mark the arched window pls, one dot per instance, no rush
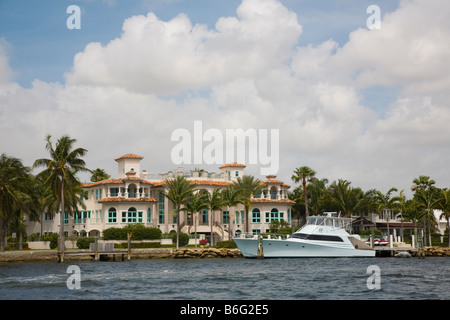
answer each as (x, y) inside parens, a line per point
(132, 215)
(274, 214)
(236, 173)
(256, 215)
(273, 193)
(112, 215)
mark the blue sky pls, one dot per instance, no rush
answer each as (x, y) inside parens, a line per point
(42, 47)
(369, 106)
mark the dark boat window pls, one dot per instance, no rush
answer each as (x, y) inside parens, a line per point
(319, 237)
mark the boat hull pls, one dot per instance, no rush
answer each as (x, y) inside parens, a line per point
(276, 248)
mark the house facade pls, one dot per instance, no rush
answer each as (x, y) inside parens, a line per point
(137, 197)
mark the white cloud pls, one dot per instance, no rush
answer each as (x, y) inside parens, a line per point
(154, 56)
(253, 75)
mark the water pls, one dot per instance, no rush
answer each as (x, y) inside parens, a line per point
(231, 279)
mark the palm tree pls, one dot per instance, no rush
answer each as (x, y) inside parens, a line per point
(444, 204)
(430, 200)
(248, 186)
(387, 202)
(232, 197)
(215, 203)
(316, 190)
(99, 175)
(422, 183)
(14, 183)
(303, 174)
(196, 203)
(179, 190)
(344, 198)
(59, 174)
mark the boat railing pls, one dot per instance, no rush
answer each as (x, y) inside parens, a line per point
(337, 222)
(249, 235)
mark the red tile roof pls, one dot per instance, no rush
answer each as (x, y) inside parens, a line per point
(123, 199)
(289, 201)
(114, 181)
(233, 164)
(129, 156)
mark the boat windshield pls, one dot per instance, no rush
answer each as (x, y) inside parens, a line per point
(337, 222)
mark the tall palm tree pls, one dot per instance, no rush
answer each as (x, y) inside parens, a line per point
(14, 183)
(232, 197)
(303, 174)
(429, 197)
(196, 203)
(60, 173)
(215, 202)
(99, 175)
(387, 202)
(444, 204)
(316, 190)
(179, 190)
(248, 186)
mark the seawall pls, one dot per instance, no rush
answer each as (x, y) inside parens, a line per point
(157, 253)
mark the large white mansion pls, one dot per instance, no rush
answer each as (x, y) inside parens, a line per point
(136, 197)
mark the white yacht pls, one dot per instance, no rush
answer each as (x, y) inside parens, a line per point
(321, 236)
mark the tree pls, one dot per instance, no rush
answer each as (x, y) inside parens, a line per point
(196, 203)
(59, 174)
(303, 174)
(14, 184)
(215, 202)
(387, 202)
(422, 183)
(444, 204)
(429, 197)
(231, 197)
(248, 186)
(99, 175)
(346, 199)
(179, 190)
(424, 192)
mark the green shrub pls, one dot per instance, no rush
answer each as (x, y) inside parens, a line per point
(84, 243)
(138, 232)
(226, 244)
(53, 238)
(138, 245)
(183, 239)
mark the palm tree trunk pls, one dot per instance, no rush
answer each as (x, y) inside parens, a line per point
(195, 227)
(212, 218)
(2, 243)
(61, 218)
(306, 199)
(178, 225)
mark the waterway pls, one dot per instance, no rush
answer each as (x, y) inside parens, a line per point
(230, 279)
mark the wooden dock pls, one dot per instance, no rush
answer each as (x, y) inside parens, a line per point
(387, 251)
(100, 251)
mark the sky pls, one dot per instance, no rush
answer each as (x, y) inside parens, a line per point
(371, 106)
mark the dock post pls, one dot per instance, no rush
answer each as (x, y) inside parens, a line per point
(129, 246)
(96, 256)
(60, 244)
(260, 250)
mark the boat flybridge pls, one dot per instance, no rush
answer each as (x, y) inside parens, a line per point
(322, 236)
